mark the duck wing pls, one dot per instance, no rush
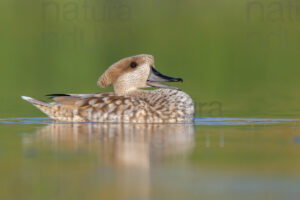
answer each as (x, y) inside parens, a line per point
(53, 96)
(69, 99)
(103, 107)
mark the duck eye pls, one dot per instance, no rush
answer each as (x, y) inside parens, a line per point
(133, 64)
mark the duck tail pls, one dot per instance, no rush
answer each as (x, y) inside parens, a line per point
(35, 102)
(41, 105)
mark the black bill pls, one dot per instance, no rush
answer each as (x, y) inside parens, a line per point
(155, 78)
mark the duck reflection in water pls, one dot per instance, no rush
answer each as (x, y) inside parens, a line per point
(118, 144)
(124, 156)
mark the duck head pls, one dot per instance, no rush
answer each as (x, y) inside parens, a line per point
(132, 73)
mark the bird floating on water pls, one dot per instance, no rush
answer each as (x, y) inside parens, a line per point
(129, 102)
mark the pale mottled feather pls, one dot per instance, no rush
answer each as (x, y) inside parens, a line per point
(156, 106)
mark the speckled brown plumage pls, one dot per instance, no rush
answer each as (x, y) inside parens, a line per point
(126, 104)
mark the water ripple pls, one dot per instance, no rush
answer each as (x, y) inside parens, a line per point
(197, 121)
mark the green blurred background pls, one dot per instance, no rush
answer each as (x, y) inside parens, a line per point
(237, 58)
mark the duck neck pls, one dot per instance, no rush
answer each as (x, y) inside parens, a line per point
(137, 93)
(122, 89)
(128, 91)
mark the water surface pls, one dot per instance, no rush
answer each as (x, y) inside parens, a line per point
(213, 158)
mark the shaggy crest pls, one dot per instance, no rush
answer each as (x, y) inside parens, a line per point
(122, 66)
